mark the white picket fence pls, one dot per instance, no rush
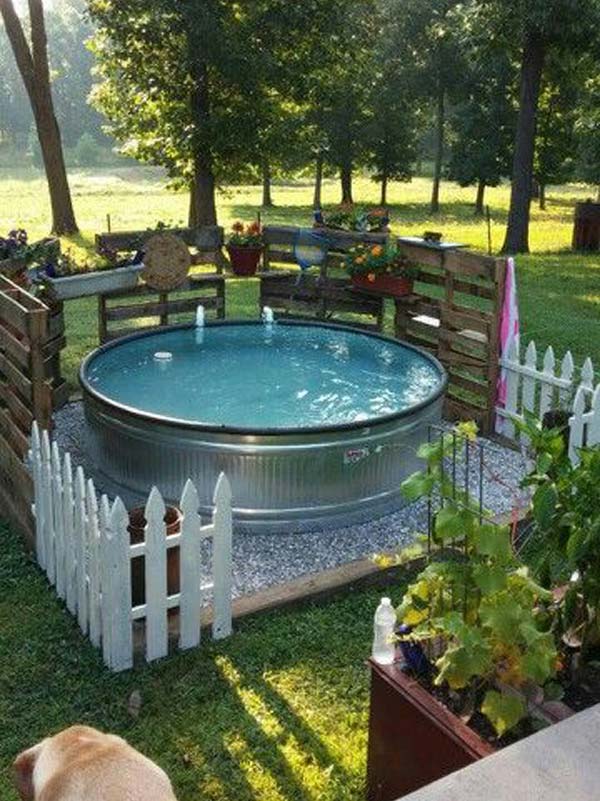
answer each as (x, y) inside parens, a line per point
(83, 545)
(554, 385)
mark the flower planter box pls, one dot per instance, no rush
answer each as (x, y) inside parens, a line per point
(395, 286)
(94, 283)
(244, 260)
(413, 739)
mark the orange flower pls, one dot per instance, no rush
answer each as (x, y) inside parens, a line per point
(238, 227)
(254, 228)
(359, 260)
(371, 277)
(376, 250)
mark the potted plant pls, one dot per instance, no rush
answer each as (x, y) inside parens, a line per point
(17, 254)
(562, 543)
(245, 248)
(477, 637)
(136, 529)
(349, 218)
(381, 269)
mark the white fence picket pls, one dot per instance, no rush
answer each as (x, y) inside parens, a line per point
(567, 369)
(69, 537)
(222, 563)
(576, 425)
(156, 578)
(190, 567)
(48, 529)
(92, 561)
(86, 551)
(58, 522)
(80, 529)
(118, 610)
(547, 390)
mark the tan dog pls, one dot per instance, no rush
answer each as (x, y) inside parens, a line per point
(82, 764)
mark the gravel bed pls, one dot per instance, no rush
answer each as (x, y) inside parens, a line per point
(262, 560)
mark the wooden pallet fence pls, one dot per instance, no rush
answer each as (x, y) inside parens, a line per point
(129, 311)
(537, 387)
(31, 338)
(205, 242)
(311, 297)
(82, 543)
(454, 313)
(279, 243)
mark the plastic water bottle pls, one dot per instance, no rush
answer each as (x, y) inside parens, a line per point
(384, 648)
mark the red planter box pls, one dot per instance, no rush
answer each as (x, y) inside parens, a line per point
(386, 284)
(244, 261)
(413, 739)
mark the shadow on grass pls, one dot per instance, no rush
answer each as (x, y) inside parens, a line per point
(209, 717)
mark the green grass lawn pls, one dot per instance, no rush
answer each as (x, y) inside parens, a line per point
(278, 712)
(559, 290)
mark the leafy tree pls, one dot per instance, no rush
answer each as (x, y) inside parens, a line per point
(427, 34)
(394, 116)
(483, 117)
(587, 130)
(32, 61)
(541, 27)
(555, 147)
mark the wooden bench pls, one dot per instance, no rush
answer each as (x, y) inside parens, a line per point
(157, 309)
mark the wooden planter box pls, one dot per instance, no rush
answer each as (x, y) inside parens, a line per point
(95, 283)
(394, 286)
(413, 739)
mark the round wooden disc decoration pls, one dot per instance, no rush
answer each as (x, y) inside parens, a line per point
(166, 262)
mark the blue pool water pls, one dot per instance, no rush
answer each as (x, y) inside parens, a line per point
(251, 376)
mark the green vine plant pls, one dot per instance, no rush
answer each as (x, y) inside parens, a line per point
(563, 545)
(479, 614)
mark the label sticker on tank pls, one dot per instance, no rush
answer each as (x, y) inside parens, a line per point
(355, 455)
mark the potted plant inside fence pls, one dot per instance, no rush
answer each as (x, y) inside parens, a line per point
(136, 529)
(17, 254)
(380, 269)
(245, 247)
(349, 218)
(477, 634)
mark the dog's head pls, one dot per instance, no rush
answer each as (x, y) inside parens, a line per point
(24, 766)
(47, 755)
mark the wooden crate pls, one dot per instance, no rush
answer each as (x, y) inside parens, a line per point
(156, 309)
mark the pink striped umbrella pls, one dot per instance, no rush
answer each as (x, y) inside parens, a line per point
(509, 335)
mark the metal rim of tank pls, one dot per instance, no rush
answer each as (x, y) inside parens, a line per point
(188, 424)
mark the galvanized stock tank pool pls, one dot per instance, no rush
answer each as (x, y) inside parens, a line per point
(314, 424)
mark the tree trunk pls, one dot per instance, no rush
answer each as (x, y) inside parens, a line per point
(384, 186)
(267, 200)
(439, 150)
(542, 196)
(318, 181)
(517, 232)
(479, 199)
(203, 191)
(35, 73)
(346, 180)
(192, 221)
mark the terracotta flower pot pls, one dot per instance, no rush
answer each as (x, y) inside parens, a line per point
(385, 284)
(413, 738)
(137, 524)
(244, 260)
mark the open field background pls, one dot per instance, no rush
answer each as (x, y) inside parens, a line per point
(559, 291)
